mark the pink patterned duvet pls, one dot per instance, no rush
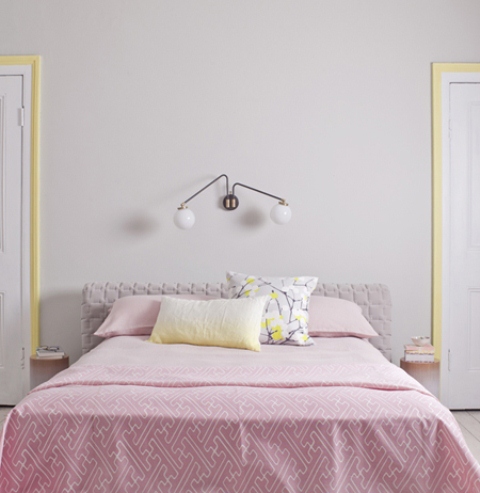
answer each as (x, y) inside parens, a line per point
(326, 429)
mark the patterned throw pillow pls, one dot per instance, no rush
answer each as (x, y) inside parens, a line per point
(285, 320)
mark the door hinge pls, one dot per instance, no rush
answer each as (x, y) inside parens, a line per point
(21, 117)
(22, 358)
(449, 360)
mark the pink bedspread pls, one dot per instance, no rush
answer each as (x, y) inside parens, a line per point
(326, 429)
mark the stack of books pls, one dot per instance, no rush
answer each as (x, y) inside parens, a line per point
(419, 354)
(50, 352)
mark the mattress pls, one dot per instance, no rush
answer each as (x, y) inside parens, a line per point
(336, 417)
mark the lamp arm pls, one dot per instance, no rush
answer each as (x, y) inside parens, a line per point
(205, 187)
(282, 201)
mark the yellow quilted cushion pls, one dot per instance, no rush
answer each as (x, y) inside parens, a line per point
(225, 323)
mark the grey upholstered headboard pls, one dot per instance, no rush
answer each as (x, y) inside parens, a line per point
(374, 299)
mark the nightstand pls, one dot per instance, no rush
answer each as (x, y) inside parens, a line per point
(43, 369)
(428, 374)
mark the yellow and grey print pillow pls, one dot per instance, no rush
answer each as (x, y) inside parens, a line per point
(285, 320)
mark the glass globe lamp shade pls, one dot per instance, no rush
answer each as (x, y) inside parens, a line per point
(184, 218)
(281, 213)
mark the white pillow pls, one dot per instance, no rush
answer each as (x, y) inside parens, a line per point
(225, 323)
(285, 320)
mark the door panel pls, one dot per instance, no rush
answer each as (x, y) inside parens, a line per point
(11, 368)
(464, 247)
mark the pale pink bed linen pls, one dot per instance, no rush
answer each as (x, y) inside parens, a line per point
(332, 428)
(136, 351)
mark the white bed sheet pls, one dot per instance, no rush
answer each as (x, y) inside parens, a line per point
(135, 350)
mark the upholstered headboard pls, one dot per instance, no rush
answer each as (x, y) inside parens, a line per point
(374, 299)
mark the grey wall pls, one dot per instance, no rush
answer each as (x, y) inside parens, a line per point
(324, 102)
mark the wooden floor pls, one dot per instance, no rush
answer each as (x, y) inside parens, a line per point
(3, 414)
(469, 422)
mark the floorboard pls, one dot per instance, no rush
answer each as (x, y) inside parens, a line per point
(4, 410)
(475, 414)
(469, 422)
(470, 426)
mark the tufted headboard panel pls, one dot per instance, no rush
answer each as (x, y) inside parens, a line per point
(374, 299)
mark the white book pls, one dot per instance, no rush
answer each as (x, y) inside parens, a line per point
(51, 356)
(50, 353)
(419, 358)
(427, 349)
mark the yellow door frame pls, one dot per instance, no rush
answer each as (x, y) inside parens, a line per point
(34, 62)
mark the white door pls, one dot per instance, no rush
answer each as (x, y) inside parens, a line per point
(12, 355)
(463, 238)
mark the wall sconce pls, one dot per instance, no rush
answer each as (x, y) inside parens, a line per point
(184, 218)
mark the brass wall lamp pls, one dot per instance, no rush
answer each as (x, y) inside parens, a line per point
(184, 218)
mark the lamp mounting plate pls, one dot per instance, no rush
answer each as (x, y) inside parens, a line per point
(230, 202)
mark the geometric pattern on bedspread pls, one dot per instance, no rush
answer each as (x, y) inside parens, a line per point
(336, 429)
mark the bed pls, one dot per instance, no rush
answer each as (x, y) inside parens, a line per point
(335, 417)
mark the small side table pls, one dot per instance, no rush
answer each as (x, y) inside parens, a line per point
(428, 374)
(43, 369)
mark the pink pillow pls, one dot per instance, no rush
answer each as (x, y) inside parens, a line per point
(136, 315)
(334, 317)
